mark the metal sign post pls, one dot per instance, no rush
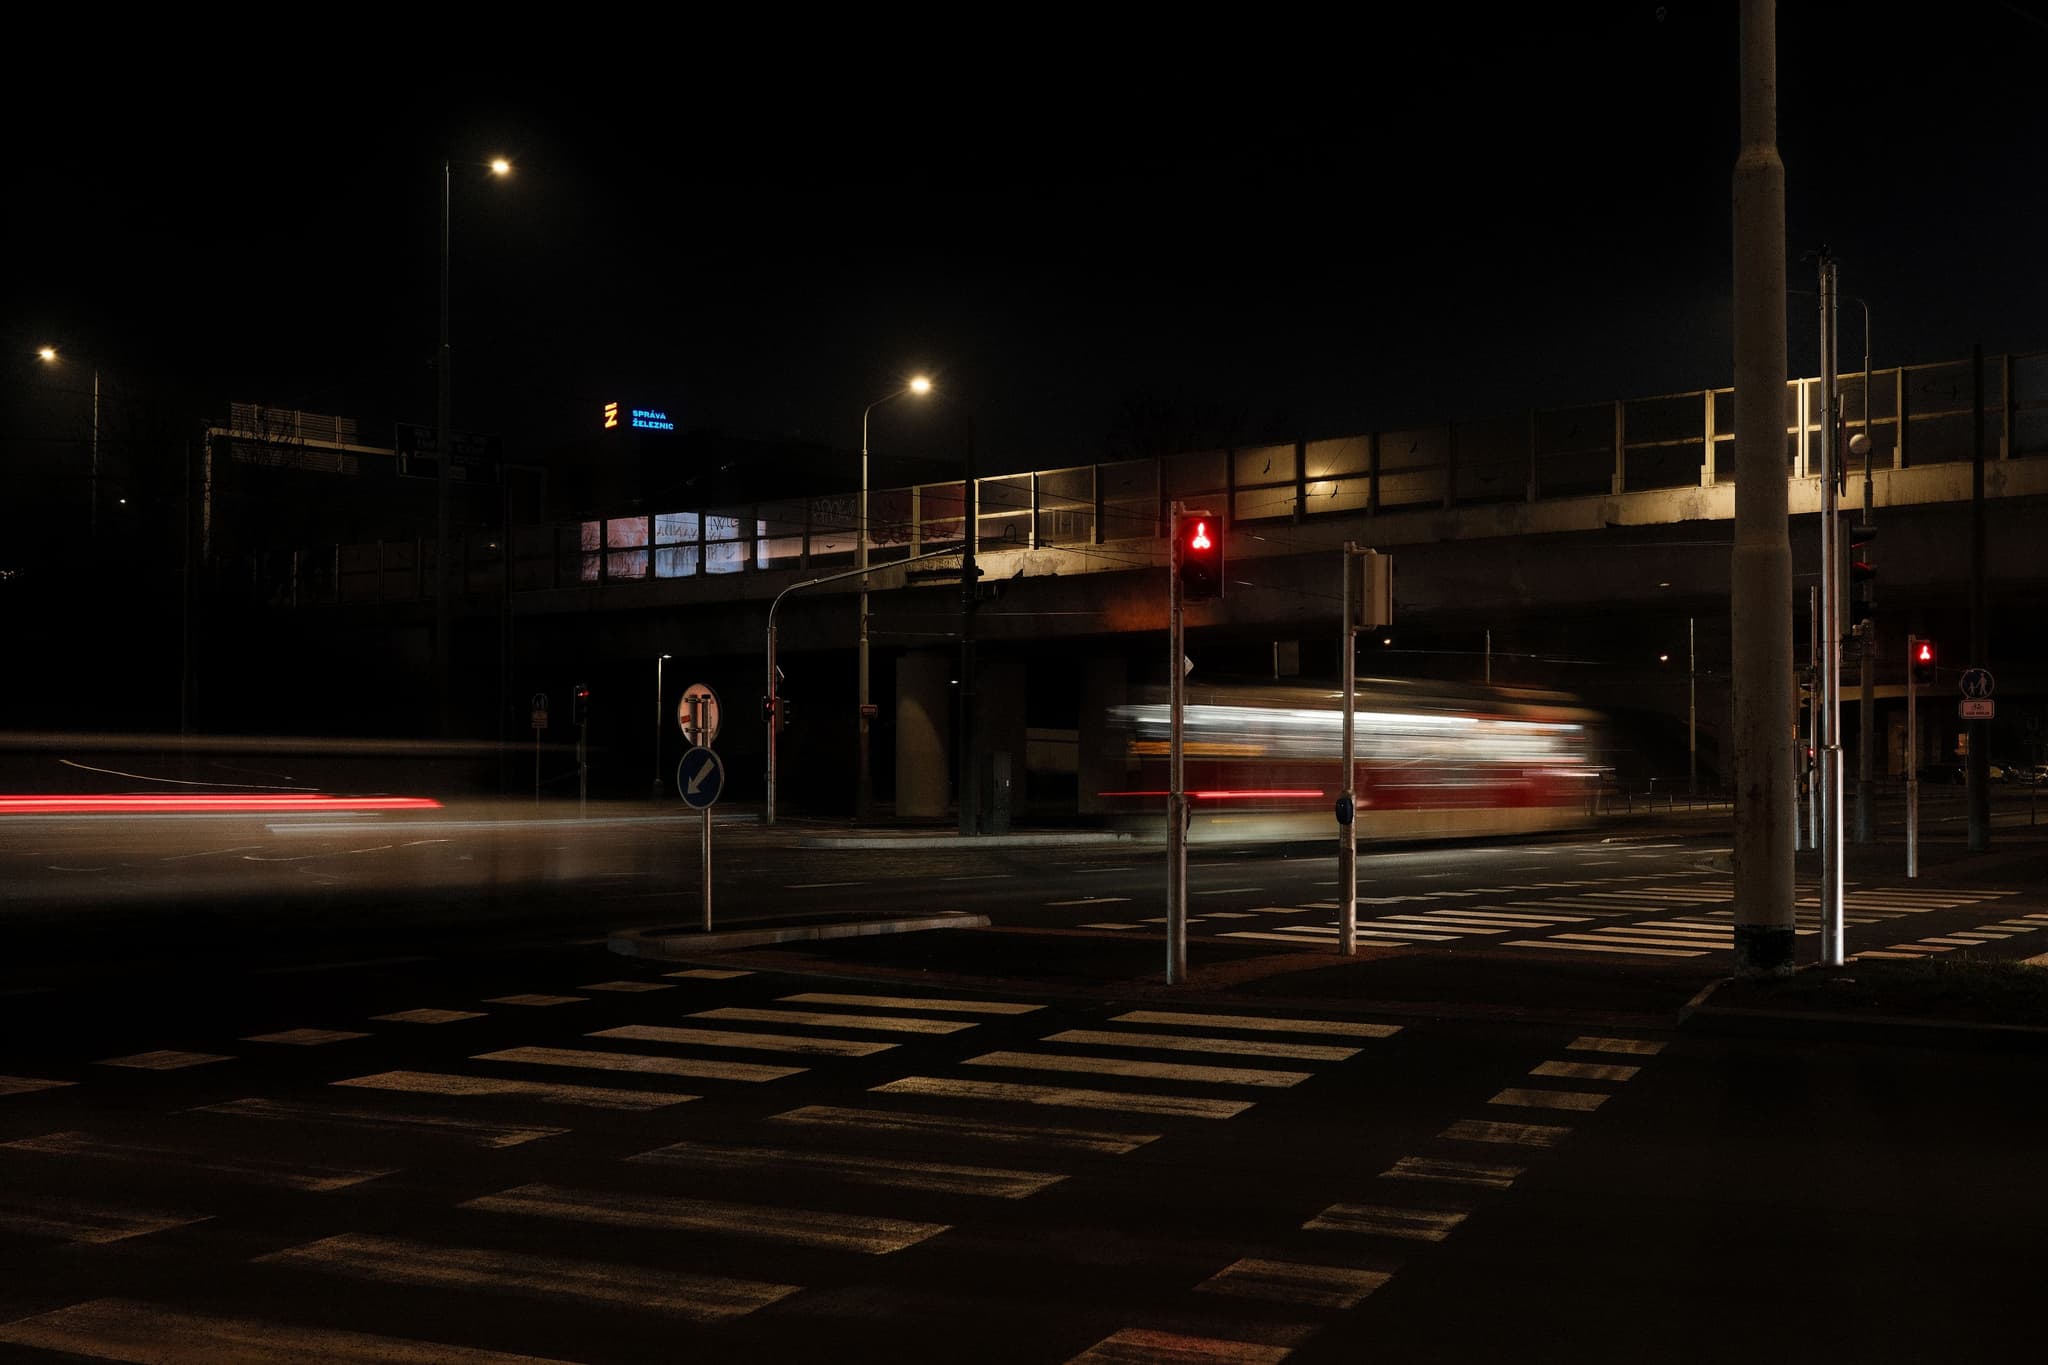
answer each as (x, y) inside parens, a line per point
(700, 777)
(1347, 799)
(1912, 759)
(540, 723)
(1176, 795)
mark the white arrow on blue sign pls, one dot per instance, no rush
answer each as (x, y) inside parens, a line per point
(700, 777)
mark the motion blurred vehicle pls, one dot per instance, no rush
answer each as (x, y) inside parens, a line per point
(1434, 761)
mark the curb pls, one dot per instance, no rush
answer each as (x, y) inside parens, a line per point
(683, 945)
(1868, 1028)
(872, 841)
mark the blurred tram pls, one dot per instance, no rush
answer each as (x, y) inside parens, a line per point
(1434, 761)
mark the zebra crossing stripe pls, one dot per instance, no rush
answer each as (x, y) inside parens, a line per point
(1630, 950)
(1292, 1282)
(1153, 1071)
(1645, 938)
(1461, 926)
(1582, 1101)
(872, 1023)
(1301, 940)
(1381, 1220)
(1514, 1134)
(757, 1042)
(1585, 1071)
(1628, 1046)
(1176, 1106)
(627, 987)
(1181, 1042)
(536, 1001)
(947, 1126)
(794, 1227)
(589, 1059)
(306, 1037)
(1451, 1171)
(28, 1085)
(164, 1060)
(1141, 1346)
(427, 1016)
(707, 974)
(84, 1222)
(125, 1329)
(255, 1170)
(897, 1002)
(393, 1260)
(937, 1177)
(477, 1132)
(1340, 1028)
(1509, 919)
(584, 1096)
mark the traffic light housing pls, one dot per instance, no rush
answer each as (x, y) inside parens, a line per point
(1862, 574)
(1924, 665)
(579, 707)
(1201, 557)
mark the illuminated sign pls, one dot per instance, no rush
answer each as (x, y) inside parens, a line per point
(645, 419)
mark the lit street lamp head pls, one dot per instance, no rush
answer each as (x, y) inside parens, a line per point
(500, 166)
(920, 386)
(46, 353)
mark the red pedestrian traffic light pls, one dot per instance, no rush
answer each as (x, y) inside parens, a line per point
(1201, 557)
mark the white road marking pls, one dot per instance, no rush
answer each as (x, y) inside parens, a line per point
(1142, 1346)
(1633, 1046)
(1314, 1286)
(427, 1016)
(947, 1127)
(760, 1042)
(898, 1002)
(587, 1059)
(1515, 1134)
(1157, 1071)
(28, 1085)
(794, 1227)
(163, 1060)
(255, 1170)
(124, 1329)
(585, 1096)
(873, 1023)
(536, 1001)
(1177, 1106)
(477, 1132)
(1382, 1220)
(84, 1222)
(467, 1270)
(1180, 1042)
(305, 1037)
(1585, 1071)
(1581, 1101)
(938, 1177)
(1452, 1172)
(1301, 940)
(1340, 1028)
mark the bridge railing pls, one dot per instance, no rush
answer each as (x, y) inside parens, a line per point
(1916, 415)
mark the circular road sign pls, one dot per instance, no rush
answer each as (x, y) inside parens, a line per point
(700, 777)
(697, 713)
(1977, 683)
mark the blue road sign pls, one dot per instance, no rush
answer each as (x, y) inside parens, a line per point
(700, 777)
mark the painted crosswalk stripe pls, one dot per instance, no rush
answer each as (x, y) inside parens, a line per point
(872, 1023)
(1511, 918)
(1647, 938)
(936, 1176)
(1313, 1286)
(591, 1059)
(794, 1227)
(583, 1096)
(948, 1127)
(1629, 1046)
(1153, 1071)
(1142, 1346)
(1462, 926)
(476, 1132)
(163, 1060)
(393, 1260)
(28, 1085)
(1229, 891)
(1452, 1172)
(255, 1170)
(1606, 948)
(306, 1037)
(1182, 1042)
(1584, 1101)
(1231, 914)
(758, 1042)
(536, 1001)
(1399, 933)
(1066, 1097)
(84, 1222)
(1383, 1220)
(708, 974)
(1516, 1134)
(1304, 941)
(125, 1329)
(898, 1002)
(1877, 953)
(1584, 1071)
(1340, 1028)
(1111, 926)
(427, 1016)
(627, 987)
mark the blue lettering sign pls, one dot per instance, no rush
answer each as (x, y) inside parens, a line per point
(652, 419)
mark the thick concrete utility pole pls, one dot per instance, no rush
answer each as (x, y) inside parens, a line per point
(1760, 571)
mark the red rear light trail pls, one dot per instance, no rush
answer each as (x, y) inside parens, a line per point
(226, 803)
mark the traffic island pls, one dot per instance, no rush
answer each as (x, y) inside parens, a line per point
(681, 943)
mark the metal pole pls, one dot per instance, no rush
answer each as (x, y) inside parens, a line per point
(583, 771)
(1176, 794)
(94, 489)
(1831, 887)
(1912, 761)
(1489, 632)
(658, 718)
(1760, 568)
(774, 716)
(1978, 760)
(1809, 757)
(864, 784)
(1347, 828)
(443, 516)
(536, 768)
(1692, 710)
(970, 599)
(706, 859)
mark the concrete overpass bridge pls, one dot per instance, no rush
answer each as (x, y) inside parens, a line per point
(1566, 548)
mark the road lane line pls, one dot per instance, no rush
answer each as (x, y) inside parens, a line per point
(476, 1132)
(1581, 1101)
(584, 1096)
(1312, 1286)
(794, 1227)
(126, 1329)
(640, 1063)
(873, 1023)
(1453, 1172)
(760, 1042)
(1630, 1046)
(1585, 1071)
(946, 1126)
(1257, 1023)
(1156, 1071)
(84, 1222)
(1381, 1220)
(393, 1260)
(1513, 1134)
(1064, 1097)
(935, 1176)
(1178, 1042)
(255, 1170)
(898, 1002)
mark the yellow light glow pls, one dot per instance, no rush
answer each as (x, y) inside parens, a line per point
(500, 166)
(920, 386)
(47, 352)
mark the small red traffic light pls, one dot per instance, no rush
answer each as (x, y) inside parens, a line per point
(1926, 654)
(1201, 540)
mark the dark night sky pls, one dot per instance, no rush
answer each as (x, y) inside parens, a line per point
(1296, 233)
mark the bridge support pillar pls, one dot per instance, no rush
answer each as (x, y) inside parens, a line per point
(924, 709)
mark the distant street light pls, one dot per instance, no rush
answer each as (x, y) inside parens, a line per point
(659, 719)
(864, 789)
(444, 451)
(48, 355)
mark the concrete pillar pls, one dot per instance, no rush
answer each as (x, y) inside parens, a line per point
(924, 708)
(1100, 762)
(999, 715)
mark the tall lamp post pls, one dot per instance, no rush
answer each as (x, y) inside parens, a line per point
(864, 790)
(48, 355)
(658, 718)
(443, 497)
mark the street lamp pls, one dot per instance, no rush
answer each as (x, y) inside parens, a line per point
(48, 355)
(864, 789)
(658, 719)
(443, 496)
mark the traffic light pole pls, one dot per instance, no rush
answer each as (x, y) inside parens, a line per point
(1347, 800)
(1912, 758)
(1176, 795)
(1831, 941)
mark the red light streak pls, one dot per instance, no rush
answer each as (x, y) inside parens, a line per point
(240, 803)
(1246, 794)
